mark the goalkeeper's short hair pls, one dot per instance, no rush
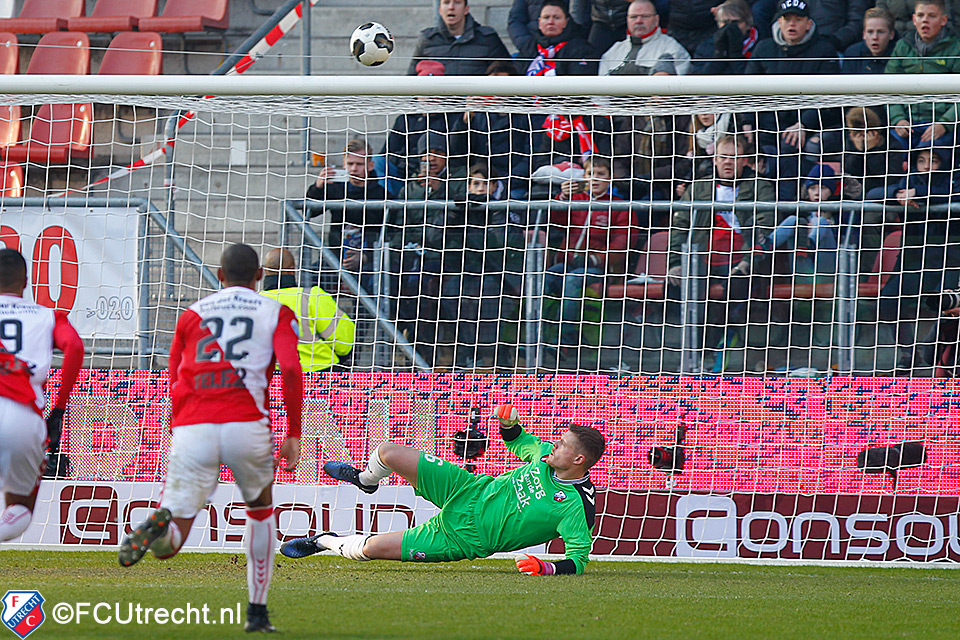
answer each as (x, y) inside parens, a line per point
(592, 443)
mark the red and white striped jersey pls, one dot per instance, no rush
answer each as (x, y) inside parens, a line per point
(27, 336)
(223, 356)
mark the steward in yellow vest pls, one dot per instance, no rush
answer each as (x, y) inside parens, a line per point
(326, 333)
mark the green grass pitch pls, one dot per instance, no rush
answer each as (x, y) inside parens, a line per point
(328, 597)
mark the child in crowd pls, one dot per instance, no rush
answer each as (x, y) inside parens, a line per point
(929, 260)
(482, 186)
(589, 245)
(813, 237)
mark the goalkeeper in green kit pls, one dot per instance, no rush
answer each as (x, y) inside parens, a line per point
(481, 515)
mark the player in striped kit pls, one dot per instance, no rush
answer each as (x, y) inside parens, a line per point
(28, 333)
(225, 349)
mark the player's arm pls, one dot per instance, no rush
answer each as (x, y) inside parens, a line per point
(577, 540)
(288, 361)
(67, 340)
(176, 347)
(525, 446)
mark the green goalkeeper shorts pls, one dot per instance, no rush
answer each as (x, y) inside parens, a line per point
(452, 534)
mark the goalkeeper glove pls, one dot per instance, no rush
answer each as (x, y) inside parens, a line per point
(507, 415)
(533, 566)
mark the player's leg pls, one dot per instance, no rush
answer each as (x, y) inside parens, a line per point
(247, 449)
(427, 542)
(22, 433)
(436, 480)
(386, 459)
(192, 473)
(16, 516)
(386, 546)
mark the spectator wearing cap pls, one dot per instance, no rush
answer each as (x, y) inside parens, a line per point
(795, 49)
(810, 239)
(646, 50)
(872, 53)
(434, 180)
(929, 49)
(401, 149)
(821, 184)
(728, 51)
(463, 45)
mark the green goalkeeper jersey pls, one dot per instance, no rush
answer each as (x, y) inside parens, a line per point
(530, 505)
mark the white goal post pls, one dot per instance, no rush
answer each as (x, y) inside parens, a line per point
(766, 427)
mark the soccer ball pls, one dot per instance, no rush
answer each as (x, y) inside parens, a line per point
(371, 44)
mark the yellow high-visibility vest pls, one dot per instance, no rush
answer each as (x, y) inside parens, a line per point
(326, 332)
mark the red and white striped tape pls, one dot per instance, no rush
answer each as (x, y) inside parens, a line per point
(256, 52)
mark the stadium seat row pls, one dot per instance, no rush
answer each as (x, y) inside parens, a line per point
(61, 132)
(109, 16)
(653, 266)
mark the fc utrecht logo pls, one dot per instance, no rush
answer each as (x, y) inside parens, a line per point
(559, 496)
(22, 611)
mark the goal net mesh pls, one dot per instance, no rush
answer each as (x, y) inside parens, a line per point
(745, 294)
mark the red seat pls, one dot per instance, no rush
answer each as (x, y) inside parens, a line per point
(180, 16)
(9, 125)
(114, 15)
(11, 180)
(9, 54)
(43, 16)
(66, 53)
(58, 133)
(883, 266)
(802, 290)
(133, 53)
(653, 263)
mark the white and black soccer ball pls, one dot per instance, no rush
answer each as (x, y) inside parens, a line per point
(371, 44)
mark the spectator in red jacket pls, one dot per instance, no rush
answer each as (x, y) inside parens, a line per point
(590, 245)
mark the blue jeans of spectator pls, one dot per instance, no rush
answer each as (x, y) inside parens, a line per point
(568, 284)
(823, 260)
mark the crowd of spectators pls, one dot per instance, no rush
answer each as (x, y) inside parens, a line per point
(459, 266)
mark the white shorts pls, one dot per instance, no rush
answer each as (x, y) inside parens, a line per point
(196, 452)
(22, 434)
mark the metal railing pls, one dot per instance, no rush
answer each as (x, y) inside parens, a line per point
(537, 213)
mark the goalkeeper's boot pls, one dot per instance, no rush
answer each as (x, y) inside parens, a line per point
(347, 473)
(136, 544)
(258, 619)
(303, 547)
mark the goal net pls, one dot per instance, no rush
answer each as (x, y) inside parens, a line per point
(748, 294)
